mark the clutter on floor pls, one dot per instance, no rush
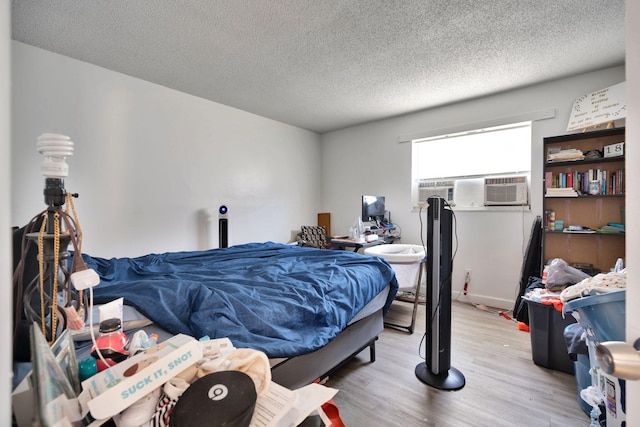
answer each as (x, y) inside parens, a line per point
(132, 379)
(570, 313)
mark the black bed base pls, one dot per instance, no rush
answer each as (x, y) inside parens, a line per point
(301, 370)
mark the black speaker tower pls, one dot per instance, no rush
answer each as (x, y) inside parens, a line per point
(436, 370)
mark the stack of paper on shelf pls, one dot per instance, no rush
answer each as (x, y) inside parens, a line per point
(561, 192)
(565, 155)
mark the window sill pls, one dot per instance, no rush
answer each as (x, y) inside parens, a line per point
(457, 208)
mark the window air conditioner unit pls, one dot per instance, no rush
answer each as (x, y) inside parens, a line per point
(505, 191)
(442, 189)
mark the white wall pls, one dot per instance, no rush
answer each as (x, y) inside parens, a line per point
(5, 224)
(148, 160)
(368, 159)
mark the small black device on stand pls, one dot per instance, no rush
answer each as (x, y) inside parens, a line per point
(223, 227)
(436, 371)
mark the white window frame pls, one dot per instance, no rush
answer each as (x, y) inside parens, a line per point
(469, 181)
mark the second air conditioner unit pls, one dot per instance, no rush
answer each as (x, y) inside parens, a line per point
(506, 191)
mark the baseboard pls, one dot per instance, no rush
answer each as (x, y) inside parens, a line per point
(470, 298)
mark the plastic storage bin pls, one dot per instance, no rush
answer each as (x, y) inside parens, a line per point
(583, 379)
(603, 318)
(577, 346)
(404, 259)
(548, 346)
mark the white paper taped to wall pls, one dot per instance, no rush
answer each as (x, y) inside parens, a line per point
(599, 107)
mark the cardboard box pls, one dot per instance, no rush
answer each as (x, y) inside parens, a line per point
(115, 389)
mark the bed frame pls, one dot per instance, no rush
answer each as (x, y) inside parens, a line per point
(301, 370)
(298, 371)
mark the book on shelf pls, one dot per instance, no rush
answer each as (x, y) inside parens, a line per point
(548, 179)
(609, 230)
(612, 228)
(609, 182)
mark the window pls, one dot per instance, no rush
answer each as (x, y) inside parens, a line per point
(474, 169)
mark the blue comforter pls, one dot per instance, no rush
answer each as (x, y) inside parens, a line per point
(283, 300)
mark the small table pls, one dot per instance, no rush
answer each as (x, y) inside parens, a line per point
(350, 243)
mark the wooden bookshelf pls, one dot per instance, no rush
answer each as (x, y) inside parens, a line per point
(590, 206)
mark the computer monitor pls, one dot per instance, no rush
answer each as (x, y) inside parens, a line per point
(373, 208)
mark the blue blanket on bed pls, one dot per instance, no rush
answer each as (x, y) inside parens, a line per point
(283, 300)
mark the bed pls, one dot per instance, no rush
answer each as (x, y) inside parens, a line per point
(309, 310)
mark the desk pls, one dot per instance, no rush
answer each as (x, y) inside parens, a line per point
(349, 243)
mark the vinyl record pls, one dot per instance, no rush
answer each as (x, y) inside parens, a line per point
(220, 399)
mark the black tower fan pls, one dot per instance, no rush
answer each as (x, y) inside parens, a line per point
(436, 371)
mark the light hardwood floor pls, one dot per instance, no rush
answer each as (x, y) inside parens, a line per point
(503, 385)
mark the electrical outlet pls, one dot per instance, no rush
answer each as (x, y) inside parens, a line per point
(467, 272)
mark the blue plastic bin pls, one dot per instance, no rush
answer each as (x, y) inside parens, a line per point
(578, 349)
(603, 316)
(583, 379)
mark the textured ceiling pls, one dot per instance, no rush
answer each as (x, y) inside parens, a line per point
(328, 64)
